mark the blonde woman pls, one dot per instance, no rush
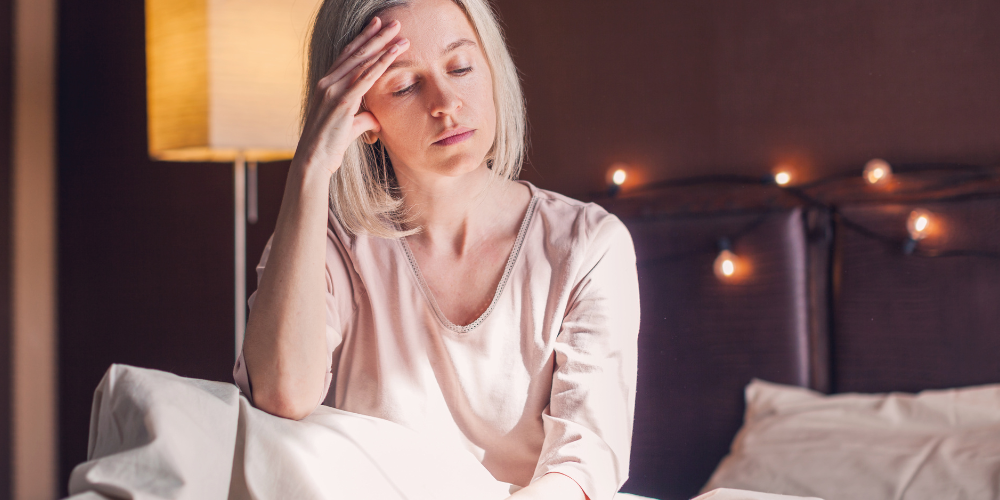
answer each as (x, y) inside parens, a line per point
(410, 277)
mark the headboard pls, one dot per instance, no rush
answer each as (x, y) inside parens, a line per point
(830, 301)
(908, 323)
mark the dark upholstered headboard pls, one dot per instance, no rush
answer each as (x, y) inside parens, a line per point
(826, 305)
(913, 323)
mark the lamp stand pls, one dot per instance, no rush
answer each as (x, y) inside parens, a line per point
(244, 210)
(240, 247)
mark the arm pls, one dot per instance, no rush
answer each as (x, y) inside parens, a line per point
(285, 344)
(588, 423)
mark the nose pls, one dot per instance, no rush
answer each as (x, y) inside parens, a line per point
(444, 100)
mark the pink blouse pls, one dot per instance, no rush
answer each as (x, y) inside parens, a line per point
(543, 381)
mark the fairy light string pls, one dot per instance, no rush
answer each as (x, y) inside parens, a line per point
(876, 173)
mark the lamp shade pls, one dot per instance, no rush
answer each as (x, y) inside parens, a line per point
(225, 78)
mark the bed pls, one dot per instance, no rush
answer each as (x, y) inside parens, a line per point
(820, 340)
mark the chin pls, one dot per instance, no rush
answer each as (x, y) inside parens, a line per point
(461, 165)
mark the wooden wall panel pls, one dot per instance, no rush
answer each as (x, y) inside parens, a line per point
(680, 88)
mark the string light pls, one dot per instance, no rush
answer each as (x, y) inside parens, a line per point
(920, 223)
(782, 178)
(877, 171)
(615, 178)
(917, 224)
(618, 177)
(726, 263)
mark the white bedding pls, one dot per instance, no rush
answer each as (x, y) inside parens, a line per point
(155, 435)
(935, 445)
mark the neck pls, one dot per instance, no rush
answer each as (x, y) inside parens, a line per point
(454, 213)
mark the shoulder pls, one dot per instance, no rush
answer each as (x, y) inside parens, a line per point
(582, 226)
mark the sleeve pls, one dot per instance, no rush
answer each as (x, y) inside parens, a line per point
(588, 423)
(335, 271)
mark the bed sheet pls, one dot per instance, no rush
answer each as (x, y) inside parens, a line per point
(155, 435)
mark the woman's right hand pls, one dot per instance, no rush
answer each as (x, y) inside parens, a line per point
(335, 118)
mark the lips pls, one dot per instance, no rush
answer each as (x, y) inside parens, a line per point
(454, 136)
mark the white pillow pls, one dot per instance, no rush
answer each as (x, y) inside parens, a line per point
(935, 445)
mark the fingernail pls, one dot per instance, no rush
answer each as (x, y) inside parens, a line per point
(403, 41)
(394, 23)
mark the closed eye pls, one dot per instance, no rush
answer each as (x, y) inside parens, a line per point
(411, 87)
(402, 92)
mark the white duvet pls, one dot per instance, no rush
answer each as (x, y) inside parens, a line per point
(155, 435)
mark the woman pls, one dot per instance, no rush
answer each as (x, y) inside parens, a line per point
(411, 273)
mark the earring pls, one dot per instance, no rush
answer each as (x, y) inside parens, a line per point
(369, 138)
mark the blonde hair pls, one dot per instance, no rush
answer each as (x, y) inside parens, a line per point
(363, 192)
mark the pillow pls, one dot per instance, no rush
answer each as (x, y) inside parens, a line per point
(941, 444)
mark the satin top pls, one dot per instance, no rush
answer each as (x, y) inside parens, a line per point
(543, 381)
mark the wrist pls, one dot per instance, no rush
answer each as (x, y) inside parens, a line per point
(306, 178)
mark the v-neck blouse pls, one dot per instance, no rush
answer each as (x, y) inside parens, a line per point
(543, 381)
(511, 260)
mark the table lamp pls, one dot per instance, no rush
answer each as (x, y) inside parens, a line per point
(225, 81)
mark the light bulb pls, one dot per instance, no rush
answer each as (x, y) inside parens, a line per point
(918, 224)
(725, 265)
(782, 178)
(618, 177)
(877, 171)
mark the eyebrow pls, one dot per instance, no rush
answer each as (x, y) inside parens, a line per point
(456, 44)
(462, 42)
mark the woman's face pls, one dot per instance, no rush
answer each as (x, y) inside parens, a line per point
(435, 102)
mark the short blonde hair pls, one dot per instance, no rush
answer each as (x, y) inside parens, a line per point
(363, 192)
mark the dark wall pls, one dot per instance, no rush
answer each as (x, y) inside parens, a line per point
(674, 88)
(145, 248)
(681, 88)
(6, 138)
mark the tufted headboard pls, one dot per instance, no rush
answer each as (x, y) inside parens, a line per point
(828, 300)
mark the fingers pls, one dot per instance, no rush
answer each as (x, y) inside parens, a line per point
(369, 31)
(367, 47)
(343, 104)
(365, 122)
(365, 74)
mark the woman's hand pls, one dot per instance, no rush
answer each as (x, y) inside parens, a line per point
(333, 120)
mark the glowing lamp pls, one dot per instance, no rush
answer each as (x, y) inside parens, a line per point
(918, 224)
(224, 83)
(877, 171)
(727, 264)
(782, 178)
(618, 177)
(615, 178)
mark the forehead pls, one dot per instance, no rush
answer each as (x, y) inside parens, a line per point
(430, 25)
